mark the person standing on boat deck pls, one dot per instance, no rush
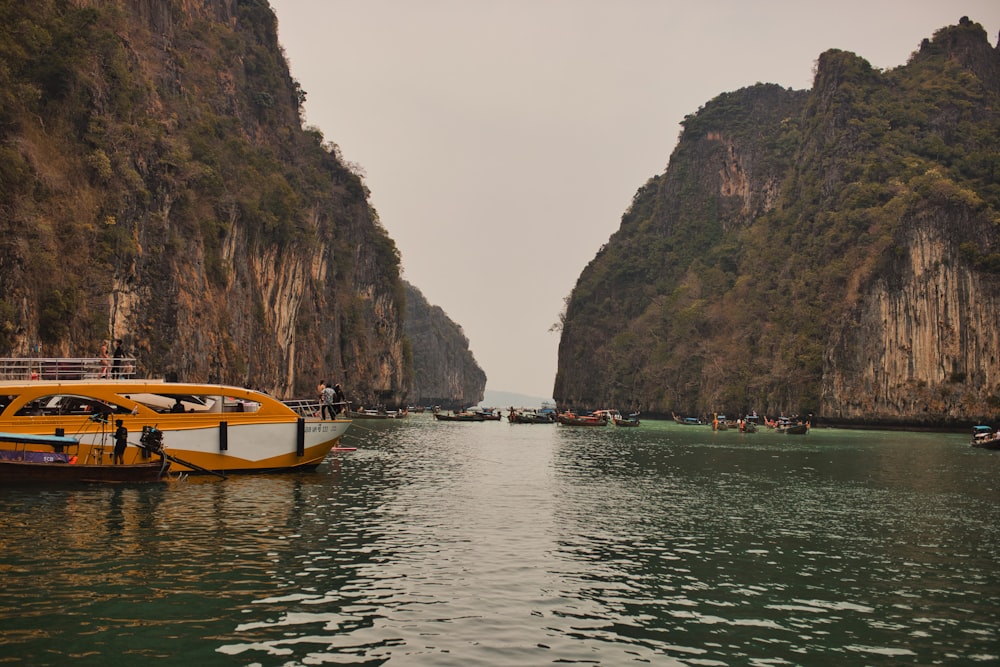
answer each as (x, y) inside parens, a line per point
(327, 399)
(121, 441)
(319, 392)
(340, 401)
(105, 361)
(116, 367)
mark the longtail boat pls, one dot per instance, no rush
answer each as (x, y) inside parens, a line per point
(37, 459)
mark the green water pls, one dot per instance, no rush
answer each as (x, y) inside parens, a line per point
(496, 544)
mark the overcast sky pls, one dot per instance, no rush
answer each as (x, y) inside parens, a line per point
(503, 140)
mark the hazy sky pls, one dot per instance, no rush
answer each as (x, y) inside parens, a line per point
(503, 140)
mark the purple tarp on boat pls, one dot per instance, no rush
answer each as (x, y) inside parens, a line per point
(33, 457)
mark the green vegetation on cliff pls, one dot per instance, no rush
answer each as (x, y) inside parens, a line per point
(780, 215)
(156, 185)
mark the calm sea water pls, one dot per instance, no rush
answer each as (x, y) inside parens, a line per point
(496, 544)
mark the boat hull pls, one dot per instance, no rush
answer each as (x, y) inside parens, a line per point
(228, 448)
(989, 444)
(459, 418)
(523, 418)
(24, 472)
(376, 415)
(985, 437)
(687, 421)
(581, 421)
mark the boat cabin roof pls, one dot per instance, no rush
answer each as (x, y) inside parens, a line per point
(28, 439)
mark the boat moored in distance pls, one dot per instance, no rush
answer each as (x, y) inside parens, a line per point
(462, 416)
(619, 420)
(791, 426)
(569, 418)
(985, 437)
(207, 427)
(489, 414)
(687, 421)
(720, 423)
(377, 413)
(530, 416)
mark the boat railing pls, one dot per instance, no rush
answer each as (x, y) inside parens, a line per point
(66, 368)
(304, 407)
(311, 407)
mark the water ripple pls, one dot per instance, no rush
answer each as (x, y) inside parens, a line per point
(496, 544)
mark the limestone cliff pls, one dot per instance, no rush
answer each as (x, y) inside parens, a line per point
(444, 371)
(922, 345)
(158, 187)
(832, 251)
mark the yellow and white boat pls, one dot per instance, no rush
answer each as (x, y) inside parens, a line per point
(214, 428)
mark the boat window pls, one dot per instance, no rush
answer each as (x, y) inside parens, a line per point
(240, 405)
(166, 402)
(69, 404)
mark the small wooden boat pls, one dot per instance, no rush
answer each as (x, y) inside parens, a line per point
(720, 423)
(377, 414)
(572, 419)
(488, 414)
(37, 459)
(985, 437)
(687, 421)
(529, 417)
(792, 428)
(459, 417)
(620, 420)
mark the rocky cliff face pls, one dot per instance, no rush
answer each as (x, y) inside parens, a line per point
(444, 371)
(923, 345)
(158, 187)
(832, 251)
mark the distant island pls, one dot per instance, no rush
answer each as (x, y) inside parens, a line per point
(506, 399)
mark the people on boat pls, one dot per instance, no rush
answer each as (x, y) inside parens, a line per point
(119, 361)
(328, 398)
(319, 394)
(105, 361)
(121, 441)
(340, 401)
(177, 406)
